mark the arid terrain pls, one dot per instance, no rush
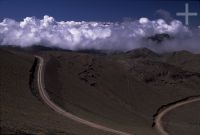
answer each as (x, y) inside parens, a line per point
(122, 91)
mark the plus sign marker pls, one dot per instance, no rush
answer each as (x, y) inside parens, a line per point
(186, 14)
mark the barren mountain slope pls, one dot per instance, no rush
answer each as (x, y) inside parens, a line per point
(120, 90)
(22, 111)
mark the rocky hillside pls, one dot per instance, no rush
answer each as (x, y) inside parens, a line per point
(122, 90)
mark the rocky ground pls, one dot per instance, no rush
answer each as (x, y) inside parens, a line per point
(121, 90)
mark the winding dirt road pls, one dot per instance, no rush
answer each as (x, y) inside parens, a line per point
(59, 110)
(158, 120)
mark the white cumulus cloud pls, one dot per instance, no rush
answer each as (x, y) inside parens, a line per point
(94, 35)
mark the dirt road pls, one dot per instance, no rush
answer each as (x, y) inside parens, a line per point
(158, 120)
(59, 110)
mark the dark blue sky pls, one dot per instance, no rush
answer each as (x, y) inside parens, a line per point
(95, 10)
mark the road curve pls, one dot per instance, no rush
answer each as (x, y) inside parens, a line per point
(158, 120)
(61, 111)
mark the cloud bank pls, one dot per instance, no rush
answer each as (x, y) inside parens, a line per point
(98, 35)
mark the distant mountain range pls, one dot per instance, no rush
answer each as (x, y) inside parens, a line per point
(158, 38)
